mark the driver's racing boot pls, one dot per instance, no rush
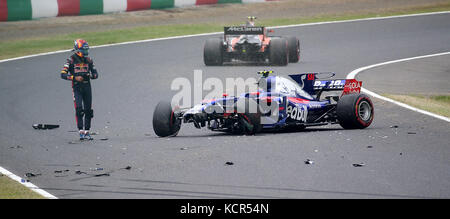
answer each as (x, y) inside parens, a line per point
(87, 136)
(82, 135)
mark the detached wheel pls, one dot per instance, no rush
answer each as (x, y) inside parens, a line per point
(250, 116)
(164, 121)
(213, 52)
(355, 111)
(294, 49)
(278, 52)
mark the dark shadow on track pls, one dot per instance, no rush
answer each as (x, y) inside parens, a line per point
(263, 133)
(249, 63)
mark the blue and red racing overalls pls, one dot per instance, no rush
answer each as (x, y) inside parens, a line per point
(82, 92)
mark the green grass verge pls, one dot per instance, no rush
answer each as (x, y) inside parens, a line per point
(16, 48)
(10, 189)
(439, 104)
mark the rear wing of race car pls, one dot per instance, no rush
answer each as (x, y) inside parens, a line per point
(243, 30)
(310, 84)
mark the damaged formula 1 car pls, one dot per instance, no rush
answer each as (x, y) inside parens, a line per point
(251, 44)
(280, 103)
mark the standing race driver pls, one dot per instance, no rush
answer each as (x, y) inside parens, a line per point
(80, 69)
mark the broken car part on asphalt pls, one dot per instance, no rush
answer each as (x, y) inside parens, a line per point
(45, 126)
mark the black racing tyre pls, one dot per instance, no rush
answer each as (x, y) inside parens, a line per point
(213, 52)
(355, 111)
(164, 121)
(294, 49)
(278, 52)
(250, 115)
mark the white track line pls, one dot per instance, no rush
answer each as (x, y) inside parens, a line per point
(34, 188)
(353, 74)
(27, 184)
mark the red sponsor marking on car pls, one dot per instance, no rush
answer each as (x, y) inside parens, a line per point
(298, 100)
(352, 86)
(267, 99)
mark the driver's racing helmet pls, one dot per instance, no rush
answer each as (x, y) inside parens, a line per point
(251, 21)
(81, 47)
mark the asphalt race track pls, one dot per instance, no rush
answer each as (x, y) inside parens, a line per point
(434, 81)
(405, 154)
